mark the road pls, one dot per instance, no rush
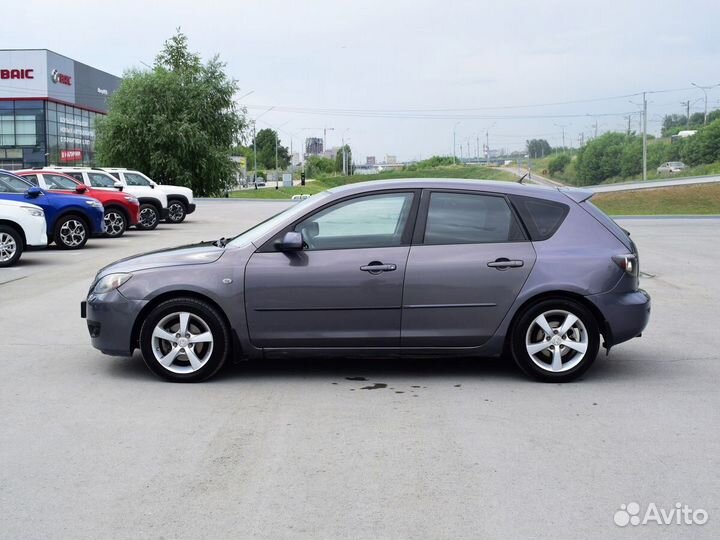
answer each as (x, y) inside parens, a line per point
(95, 447)
(533, 177)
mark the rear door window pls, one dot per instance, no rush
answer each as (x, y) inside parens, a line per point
(465, 218)
(100, 180)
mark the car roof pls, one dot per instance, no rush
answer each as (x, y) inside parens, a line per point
(494, 186)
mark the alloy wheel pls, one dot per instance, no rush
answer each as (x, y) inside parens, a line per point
(148, 217)
(72, 233)
(556, 341)
(176, 212)
(182, 342)
(8, 247)
(114, 223)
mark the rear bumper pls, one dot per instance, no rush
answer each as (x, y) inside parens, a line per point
(110, 319)
(626, 314)
(191, 208)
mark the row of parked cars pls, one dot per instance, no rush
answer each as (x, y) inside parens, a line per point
(69, 205)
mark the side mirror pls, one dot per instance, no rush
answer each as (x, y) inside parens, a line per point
(118, 186)
(292, 241)
(81, 188)
(33, 192)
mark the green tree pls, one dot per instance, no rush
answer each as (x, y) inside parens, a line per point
(704, 146)
(319, 166)
(177, 122)
(538, 148)
(558, 163)
(266, 141)
(339, 159)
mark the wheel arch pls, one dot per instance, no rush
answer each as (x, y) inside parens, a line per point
(78, 213)
(119, 207)
(546, 295)
(170, 295)
(176, 197)
(16, 227)
(153, 201)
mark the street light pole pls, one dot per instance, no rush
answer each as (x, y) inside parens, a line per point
(644, 137)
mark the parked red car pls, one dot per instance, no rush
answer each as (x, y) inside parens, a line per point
(121, 209)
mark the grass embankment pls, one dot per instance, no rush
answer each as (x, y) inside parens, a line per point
(699, 199)
(321, 184)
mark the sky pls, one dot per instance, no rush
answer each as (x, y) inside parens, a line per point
(405, 78)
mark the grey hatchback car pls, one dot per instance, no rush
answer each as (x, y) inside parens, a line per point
(412, 267)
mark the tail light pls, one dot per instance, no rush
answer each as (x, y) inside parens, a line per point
(628, 263)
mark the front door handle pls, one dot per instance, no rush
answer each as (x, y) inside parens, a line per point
(502, 263)
(377, 267)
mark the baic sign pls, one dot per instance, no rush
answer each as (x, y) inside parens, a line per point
(60, 78)
(6, 74)
(69, 156)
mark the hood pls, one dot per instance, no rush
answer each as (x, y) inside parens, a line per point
(200, 253)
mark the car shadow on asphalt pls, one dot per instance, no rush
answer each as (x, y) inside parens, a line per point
(375, 369)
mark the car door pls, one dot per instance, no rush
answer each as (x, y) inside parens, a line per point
(469, 259)
(344, 289)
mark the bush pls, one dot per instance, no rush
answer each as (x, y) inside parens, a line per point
(558, 164)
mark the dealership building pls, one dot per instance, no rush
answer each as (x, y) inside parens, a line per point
(48, 107)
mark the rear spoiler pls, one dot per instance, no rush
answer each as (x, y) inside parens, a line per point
(577, 195)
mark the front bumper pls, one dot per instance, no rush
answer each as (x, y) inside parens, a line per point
(191, 208)
(626, 314)
(110, 320)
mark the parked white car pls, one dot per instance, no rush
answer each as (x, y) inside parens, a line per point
(180, 199)
(153, 202)
(21, 225)
(671, 167)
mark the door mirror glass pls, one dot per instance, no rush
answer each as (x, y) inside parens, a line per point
(33, 192)
(81, 189)
(118, 186)
(292, 241)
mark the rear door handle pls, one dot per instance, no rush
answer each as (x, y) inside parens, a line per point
(376, 267)
(502, 263)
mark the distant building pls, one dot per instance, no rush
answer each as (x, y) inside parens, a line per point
(390, 160)
(295, 159)
(331, 153)
(370, 160)
(313, 146)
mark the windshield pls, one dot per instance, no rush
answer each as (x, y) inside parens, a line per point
(13, 184)
(264, 227)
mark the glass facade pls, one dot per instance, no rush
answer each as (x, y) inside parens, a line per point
(34, 133)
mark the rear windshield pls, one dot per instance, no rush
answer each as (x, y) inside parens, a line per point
(608, 223)
(541, 217)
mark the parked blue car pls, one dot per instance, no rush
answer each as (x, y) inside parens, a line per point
(71, 219)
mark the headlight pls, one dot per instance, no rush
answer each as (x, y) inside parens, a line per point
(110, 283)
(132, 200)
(36, 212)
(94, 203)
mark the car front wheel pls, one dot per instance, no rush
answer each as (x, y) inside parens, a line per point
(176, 212)
(115, 223)
(184, 340)
(11, 246)
(149, 217)
(71, 232)
(555, 340)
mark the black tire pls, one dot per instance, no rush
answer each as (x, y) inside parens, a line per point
(115, 222)
(200, 312)
(71, 232)
(539, 366)
(149, 217)
(177, 211)
(11, 246)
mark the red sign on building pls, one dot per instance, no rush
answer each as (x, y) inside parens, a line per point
(69, 156)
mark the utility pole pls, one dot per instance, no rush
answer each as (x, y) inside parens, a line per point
(629, 118)
(454, 143)
(277, 171)
(562, 126)
(477, 147)
(325, 130)
(705, 89)
(644, 136)
(487, 147)
(254, 156)
(686, 104)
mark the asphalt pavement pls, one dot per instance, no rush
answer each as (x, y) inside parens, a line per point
(96, 447)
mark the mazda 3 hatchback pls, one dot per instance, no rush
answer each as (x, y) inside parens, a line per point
(411, 267)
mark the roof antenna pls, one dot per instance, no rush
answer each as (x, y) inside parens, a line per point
(522, 178)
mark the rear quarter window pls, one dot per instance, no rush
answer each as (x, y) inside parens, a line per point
(541, 217)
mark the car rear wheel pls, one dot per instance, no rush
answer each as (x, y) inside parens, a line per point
(176, 211)
(555, 340)
(115, 223)
(11, 246)
(184, 340)
(149, 217)
(71, 232)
